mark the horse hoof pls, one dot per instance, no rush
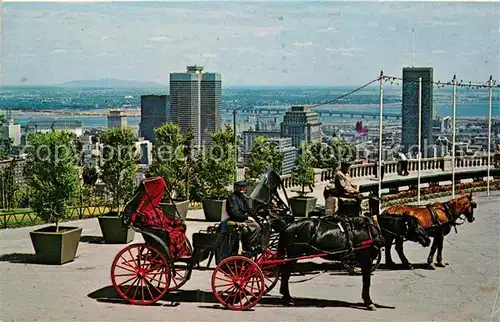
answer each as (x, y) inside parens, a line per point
(391, 265)
(440, 265)
(287, 301)
(431, 267)
(371, 307)
(408, 266)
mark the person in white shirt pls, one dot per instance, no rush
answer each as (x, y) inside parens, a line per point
(403, 164)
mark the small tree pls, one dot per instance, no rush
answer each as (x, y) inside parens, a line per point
(118, 169)
(90, 175)
(51, 173)
(169, 159)
(264, 154)
(7, 184)
(303, 173)
(218, 164)
(329, 155)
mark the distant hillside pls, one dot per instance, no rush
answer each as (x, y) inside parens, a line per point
(110, 83)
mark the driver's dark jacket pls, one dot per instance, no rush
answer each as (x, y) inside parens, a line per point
(237, 207)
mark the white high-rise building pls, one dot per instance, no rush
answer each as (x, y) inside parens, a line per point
(195, 99)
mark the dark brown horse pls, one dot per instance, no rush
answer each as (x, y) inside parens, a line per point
(437, 219)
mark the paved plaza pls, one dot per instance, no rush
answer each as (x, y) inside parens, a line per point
(465, 290)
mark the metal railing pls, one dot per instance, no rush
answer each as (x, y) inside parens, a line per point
(368, 170)
(28, 217)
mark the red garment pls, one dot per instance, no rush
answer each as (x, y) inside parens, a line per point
(150, 216)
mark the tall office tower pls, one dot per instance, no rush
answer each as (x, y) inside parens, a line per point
(116, 118)
(301, 124)
(195, 102)
(409, 133)
(154, 113)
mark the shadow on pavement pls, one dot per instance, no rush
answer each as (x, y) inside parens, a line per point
(19, 258)
(400, 267)
(92, 239)
(108, 295)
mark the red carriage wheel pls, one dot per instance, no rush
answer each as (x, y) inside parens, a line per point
(271, 272)
(238, 283)
(140, 274)
(181, 271)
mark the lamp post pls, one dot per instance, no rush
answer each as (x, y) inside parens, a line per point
(489, 134)
(235, 148)
(380, 140)
(419, 136)
(454, 81)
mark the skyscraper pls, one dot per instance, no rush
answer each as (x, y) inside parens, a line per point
(154, 112)
(409, 133)
(116, 118)
(301, 124)
(195, 102)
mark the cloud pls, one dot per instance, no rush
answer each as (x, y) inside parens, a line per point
(209, 55)
(439, 51)
(58, 51)
(302, 44)
(262, 32)
(329, 29)
(347, 52)
(159, 38)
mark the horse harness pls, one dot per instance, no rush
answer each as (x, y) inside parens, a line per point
(435, 218)
(347, 223)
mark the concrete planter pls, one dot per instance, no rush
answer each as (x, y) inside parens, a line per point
(113, 231)
(53, 247)
(214, 209)
(169, 209)
(301, 206)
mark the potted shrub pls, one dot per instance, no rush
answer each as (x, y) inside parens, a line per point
(218, 164)
(264, 154)
(304, 176)
(52, 175)
(172, 161)
(118, 172)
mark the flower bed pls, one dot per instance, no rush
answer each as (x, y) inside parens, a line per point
(436, 192)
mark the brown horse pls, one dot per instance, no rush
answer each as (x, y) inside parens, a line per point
(437, 219)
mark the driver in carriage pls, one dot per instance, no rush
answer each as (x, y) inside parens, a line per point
(239, 210)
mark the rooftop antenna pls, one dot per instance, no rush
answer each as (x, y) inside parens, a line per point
(413, 47)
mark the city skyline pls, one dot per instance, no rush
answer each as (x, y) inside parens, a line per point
(249, 43)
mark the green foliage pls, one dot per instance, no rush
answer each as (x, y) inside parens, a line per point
(7, 185)
(197, 191)
(51, 173)
(22, 196)
(170, 159)
(303, 174)
(264, 154)
(90, 175)
(119, 169)
(329, 155)
(218, 164)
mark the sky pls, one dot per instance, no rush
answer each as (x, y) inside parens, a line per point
(254, 43)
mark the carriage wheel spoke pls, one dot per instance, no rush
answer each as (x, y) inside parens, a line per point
(127, 262)
(135, 276)
(128, 274)
(146, 282)
(130, 286)
(225, 280)
(157, 280)
(126, 269)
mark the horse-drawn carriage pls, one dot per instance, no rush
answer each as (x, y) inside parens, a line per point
(143, 273)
